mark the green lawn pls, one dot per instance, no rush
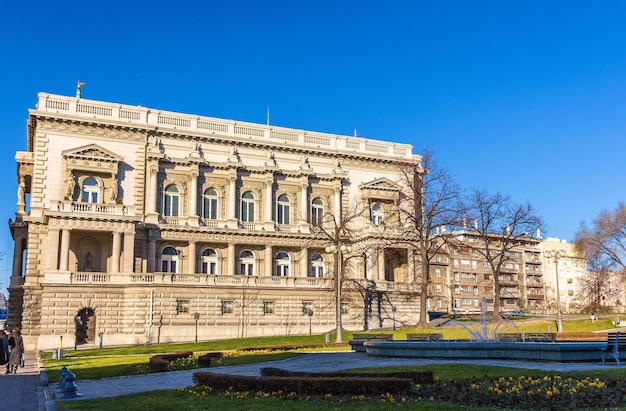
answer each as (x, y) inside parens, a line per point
(110, 362)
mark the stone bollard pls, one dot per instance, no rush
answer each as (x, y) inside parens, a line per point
(69, 388)
(63, 372)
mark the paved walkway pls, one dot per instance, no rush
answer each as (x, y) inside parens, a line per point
(29, 389)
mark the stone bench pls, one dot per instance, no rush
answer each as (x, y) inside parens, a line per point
(510, 337)
(367, 336)
(540, 337)
(425, 337)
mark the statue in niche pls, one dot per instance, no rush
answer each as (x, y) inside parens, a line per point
(70, 184)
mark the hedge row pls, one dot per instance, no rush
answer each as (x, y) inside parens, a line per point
(306, 385)
(159, 363)
(418, 377)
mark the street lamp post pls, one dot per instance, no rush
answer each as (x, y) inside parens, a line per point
(196, 316)
(310, 313)
(557, 254)
(393, 311)
(338, 257)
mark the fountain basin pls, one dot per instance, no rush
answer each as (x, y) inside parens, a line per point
(473, 350)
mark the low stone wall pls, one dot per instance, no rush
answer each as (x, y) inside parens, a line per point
(526, 351)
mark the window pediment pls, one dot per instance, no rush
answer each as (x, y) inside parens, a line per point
(381, 188)
(92, 157)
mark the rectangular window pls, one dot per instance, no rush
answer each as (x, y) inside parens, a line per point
(307, 307)
(438, 273)
(268, 307)
(182, 306)
(227, 307)
(438, 288)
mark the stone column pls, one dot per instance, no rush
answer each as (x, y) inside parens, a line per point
(193, 195)
(192, 257)
(154, 195)
(304, 263)
(268, 199)
(65, 250)
(231, 260)
(129, 252)
(304, 203)
(269, 263)
(232, 201)
(337, 209)
(17, 256)
(151, 254)
(116, 252)
(52, 262)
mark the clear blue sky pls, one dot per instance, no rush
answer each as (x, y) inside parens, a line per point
(522, 97)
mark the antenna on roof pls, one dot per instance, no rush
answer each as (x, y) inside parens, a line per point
(79, 85)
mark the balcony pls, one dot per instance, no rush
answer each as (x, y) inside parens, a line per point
(73, 207)
(200, 280)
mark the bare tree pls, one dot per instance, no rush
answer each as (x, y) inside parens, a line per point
(595, 289)
(337, 233)
(605, 239)
(493, 226)
(431, 203)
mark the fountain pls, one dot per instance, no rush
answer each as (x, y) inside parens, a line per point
(486, 330)
(484, 344)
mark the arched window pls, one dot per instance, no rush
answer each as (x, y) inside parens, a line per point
(209, 204)
(246, 263)
(209, 261)
(377, 214)
(282, 214)
(171, 201)
(316, 266)
(317, 211)
(247, 207)
(91, 190)
(283, 264)
(169, 260)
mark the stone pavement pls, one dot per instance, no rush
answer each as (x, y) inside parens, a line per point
(23, 391)
(29, 389)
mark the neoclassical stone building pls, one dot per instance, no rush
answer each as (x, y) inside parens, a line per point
(136, 225)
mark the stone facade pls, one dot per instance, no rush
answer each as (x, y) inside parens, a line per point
(136, 225)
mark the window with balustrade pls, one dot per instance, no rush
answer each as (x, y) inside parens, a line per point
(209, 204)
(377, 214)
(209, 261)
(169, 260)
(282, 209)
(171, 201)
(283, 264)
(247, 207)
(246, 263)
(90, 190)
(316, 266)
(317, 211)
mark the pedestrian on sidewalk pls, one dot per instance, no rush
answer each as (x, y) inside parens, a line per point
(16, 345)
(4, 348)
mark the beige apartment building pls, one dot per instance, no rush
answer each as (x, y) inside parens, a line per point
(565, 267)
(136, 225)
(461, 278)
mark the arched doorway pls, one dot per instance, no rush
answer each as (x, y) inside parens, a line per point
(85, 323)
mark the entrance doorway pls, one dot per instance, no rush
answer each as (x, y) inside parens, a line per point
(85, 322)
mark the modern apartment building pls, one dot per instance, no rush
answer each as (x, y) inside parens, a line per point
(461, 277)
(136, 225)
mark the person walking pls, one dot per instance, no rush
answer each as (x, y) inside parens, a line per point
(16, 345)
(4, 348)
